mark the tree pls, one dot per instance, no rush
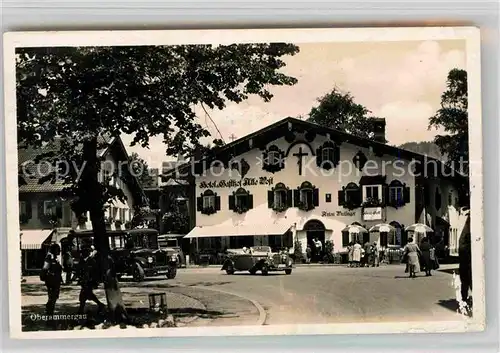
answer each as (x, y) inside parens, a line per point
(80, 94)
(338, 110)
(141, 170)
(453, 118)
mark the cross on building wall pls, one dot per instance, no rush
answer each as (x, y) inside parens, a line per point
(232, 137)
(299, 155)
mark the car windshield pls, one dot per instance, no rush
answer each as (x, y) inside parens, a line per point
(261, 249)
(145, 240)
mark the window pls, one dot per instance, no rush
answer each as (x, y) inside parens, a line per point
(371, 192)
(49, 208)
(396, 195)
(328, 155)
(280, 199)
(306, 197)
(22, 208)
(350, 196)
(328, 198)
(273, 158)
(240, 201)
(208, 201)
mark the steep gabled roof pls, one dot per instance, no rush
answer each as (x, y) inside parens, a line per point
(272, 132)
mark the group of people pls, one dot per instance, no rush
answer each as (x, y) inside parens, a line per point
(363, 256)
(420, 258)
(314, 251)
(86, 274)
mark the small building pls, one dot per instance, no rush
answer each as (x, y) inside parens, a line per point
(45, 212)
(294, 181)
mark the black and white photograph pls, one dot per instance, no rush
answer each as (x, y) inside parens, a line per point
(244, 182)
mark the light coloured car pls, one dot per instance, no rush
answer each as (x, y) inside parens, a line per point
(258, 258)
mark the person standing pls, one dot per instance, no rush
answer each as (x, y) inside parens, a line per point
(319, 248)
(350, 249)
(308, 254)
(465, 264)
(367, 254)
(88, 280)
(411, 251)
(425, 248)
(375, 255)
(51, 274)
(356, 254)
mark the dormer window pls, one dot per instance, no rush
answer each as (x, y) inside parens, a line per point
(208, 202)
(240, 201)
(306, 197)
(273, 159)
(328, 155)
(279, 198)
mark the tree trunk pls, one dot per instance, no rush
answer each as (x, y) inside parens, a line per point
(93, 196)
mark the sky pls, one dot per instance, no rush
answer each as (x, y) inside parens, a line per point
(399, 81)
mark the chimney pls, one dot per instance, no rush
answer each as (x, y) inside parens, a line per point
(378, 129)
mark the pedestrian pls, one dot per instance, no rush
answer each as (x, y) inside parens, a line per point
(350, 249)
(308, 254)
(89, 280)
(375, 255)
(51, 274)
(356, 253)
(319, 248)
(465, 264)
(367, 254)
(411, 252)
(426, 263)
(68, 263)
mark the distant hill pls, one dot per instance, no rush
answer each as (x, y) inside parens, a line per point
(426, 148)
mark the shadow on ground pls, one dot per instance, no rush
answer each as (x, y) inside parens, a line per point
(32, 317)
(452, 304)
(39, 289)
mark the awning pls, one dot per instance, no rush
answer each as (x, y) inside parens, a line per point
(239, 230)
(33, 239)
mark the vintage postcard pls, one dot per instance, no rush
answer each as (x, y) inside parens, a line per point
(244, 182)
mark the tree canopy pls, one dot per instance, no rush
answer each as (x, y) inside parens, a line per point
(453, 118)
(338, 110)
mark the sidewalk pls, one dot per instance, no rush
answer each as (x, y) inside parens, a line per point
(190, 306)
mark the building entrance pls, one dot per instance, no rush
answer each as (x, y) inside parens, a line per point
(315, 231)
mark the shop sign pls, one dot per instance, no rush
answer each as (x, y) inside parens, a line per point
(372, 213)
(233, 183)
(338, 214)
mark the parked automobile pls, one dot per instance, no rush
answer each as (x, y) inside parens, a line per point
(258, 258)
(170, 242)
(134, 252)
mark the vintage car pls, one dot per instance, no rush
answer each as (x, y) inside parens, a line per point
(171, 242)
(257, 258)
(134, 252)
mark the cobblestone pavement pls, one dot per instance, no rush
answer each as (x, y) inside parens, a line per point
(329, 294)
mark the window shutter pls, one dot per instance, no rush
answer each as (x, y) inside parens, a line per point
(404, 236)
(250, 201)
(217, 203)
(341, 196)
(289, 198)
(264, 161)
(319, 156)
(406, 194)
(315, 197)
(296, 197)
(345, 239)
(199, 204)
(282, 160)
(358, 196)
(231, 202)
(383, 239)
(385, 195)
(28, 209)
(366, 237)
(270, 199)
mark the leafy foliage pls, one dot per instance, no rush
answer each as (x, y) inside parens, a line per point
(329, 248)
(141, 170)
(338, 110)
(453, 118)
(298, 255)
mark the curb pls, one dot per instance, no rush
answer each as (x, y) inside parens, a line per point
(260, 309)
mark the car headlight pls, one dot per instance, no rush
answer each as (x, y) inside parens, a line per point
(173, 258)
(150, 260)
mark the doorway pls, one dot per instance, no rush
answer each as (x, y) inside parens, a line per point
(315, 234)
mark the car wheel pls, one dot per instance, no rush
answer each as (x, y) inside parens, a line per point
(252, 271)
(172, 273)
(265, 270)
(288, 271)
(138, 273)
(230, 270)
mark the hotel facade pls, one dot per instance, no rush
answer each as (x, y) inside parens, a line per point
(295, 181)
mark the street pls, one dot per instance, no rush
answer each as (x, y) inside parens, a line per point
(316, 294)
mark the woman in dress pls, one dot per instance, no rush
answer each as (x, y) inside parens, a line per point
(425, 248)
(356, 253)
(350, 253)
(412, 252)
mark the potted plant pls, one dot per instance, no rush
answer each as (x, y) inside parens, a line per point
(372, 202)
(240, 209)
(280, 208)
(209, 210)
(303, 206)
(118, 224)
